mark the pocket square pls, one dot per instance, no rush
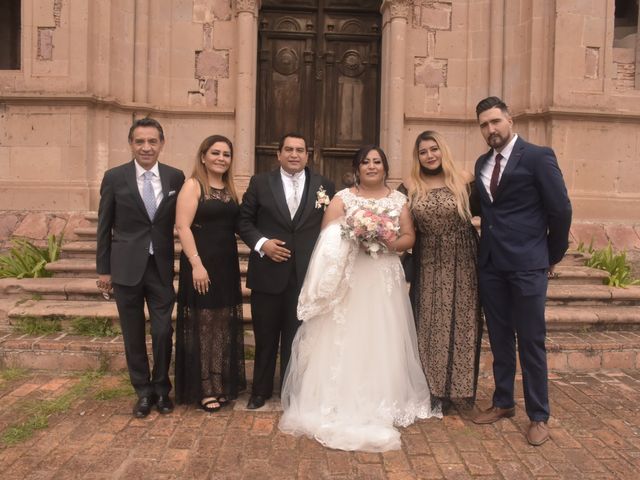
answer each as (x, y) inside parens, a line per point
(171, 193)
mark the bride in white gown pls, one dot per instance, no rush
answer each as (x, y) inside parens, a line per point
(354, 371)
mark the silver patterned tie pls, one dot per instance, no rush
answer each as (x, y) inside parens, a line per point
(148, 196)
(294, 198)
(149, 199)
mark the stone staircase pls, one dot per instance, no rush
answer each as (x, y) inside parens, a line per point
(589, 324)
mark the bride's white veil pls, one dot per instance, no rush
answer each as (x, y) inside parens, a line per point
(326, 282)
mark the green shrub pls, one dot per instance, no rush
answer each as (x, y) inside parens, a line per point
(615, 264)
(25, 260)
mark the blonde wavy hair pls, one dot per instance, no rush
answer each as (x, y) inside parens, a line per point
(199, 172)
(453, 179)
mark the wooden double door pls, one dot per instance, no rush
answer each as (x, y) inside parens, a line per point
(319, 75)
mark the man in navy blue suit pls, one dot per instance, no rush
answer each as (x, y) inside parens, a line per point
(526, 215)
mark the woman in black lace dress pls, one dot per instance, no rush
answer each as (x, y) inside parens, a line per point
(444, 290)
(209, 337)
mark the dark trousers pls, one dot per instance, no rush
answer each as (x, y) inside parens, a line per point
(274, 322)
(513, 304)
(130, 301)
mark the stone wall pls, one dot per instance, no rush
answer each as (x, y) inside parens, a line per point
(37, 226)
(90, 68)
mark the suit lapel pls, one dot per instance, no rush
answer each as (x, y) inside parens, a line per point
(514, 159)
(275, 183)
(132, 183)
(310, 201)
(164, 181)
(479, 183)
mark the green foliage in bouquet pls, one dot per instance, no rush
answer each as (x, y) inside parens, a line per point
(25, 260)
(615, 264)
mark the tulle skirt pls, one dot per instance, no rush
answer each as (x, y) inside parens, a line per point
(355, 372)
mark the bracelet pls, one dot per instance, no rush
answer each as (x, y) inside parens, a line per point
(193, 256)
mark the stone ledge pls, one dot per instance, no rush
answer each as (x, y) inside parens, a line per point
(566, 352)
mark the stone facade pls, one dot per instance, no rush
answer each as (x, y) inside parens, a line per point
(89, 68)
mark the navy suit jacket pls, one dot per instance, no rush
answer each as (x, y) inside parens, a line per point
(526, 227)
(125, 230)
(264, 213)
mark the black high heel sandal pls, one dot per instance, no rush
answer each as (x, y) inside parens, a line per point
(210, 404)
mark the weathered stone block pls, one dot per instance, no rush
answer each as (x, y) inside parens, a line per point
(588, 233)
(619, 359)
(623, 237)
(430, 72)
(33, 225)
(212, 64)
(8, 223)
(436, 16)
(584, 362)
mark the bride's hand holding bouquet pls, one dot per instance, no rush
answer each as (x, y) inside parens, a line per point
(373, 226)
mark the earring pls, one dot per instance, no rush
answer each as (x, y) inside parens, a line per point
(357, 178)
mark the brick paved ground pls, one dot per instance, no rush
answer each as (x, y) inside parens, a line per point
(595, 434)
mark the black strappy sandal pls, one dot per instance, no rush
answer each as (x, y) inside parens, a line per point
(210, 404)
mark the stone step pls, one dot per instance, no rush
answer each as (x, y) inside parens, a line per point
(54, 288)
(593, 318)
(591, 295)
(85, 288)
(86, 267)
(566, 351)
(87, 249)
(67, 310)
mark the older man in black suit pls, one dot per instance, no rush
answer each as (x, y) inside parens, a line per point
(526, 215)
(135, 257)
(280, 221)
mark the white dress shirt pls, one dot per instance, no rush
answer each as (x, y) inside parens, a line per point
(287, 184)
(155, 180)
(487, 169)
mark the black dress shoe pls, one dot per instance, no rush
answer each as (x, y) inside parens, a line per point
(142, 408)
(165, 405)
(256, 401)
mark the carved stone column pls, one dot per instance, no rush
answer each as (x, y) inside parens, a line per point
(245, 107)
(395, 14)
(141, 52)
(496, 48)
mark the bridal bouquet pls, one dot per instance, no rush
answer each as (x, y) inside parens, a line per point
(372, 226)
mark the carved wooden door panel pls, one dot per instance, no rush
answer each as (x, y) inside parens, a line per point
(318, 74)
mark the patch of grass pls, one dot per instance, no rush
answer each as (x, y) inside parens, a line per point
(93, 327)
(249, 352)
(38, 326)
(9, 374)
(39, 411)
(124, 389)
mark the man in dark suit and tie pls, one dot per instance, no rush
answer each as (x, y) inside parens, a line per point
(526, 215)
(279, 220)
(135, 257)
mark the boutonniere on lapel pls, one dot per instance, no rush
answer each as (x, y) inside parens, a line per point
(322, 199)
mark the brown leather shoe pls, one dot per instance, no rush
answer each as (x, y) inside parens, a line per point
(493, 414)
(538, 433)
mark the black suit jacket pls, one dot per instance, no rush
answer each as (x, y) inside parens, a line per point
(125, 230)
(526, 227)
(264, 213)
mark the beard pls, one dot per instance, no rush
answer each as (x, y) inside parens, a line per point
(497, 141)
